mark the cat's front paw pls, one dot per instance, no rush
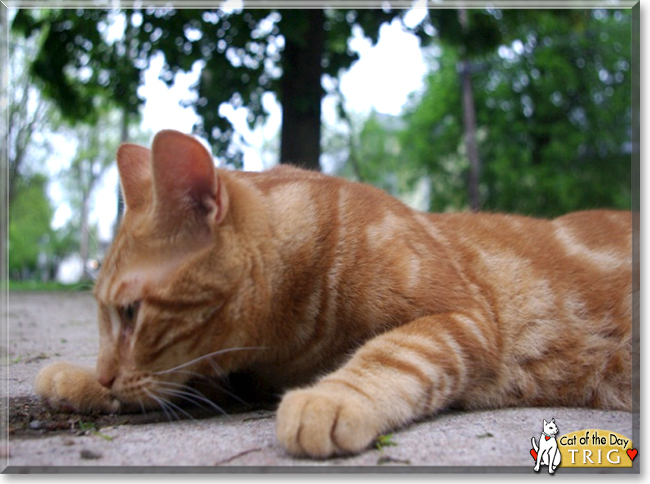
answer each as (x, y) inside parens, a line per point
(71, 388)
(323, 421)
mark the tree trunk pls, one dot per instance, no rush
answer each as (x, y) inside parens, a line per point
(469, 122)
(300, 89)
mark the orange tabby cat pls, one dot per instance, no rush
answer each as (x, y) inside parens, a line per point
(378, 313)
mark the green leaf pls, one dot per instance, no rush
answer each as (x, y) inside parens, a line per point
(384, 441)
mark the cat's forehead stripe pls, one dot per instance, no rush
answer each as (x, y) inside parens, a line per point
(127, 286)
(122, 289)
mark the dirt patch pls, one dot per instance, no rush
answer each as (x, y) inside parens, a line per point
(29, 418)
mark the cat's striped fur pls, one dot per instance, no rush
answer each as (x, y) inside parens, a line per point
(380, 314)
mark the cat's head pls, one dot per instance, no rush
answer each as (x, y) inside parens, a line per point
(550, 428)
(165, 282)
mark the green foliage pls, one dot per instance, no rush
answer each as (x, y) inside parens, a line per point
(95, 154)
(77, 66)
(374, 154)
(92, 429)
(432, 138)
(553, 109)
(29, 225)
(558, 117)
(479, 36)
(64, 241)
(243, 57)
(27, 114)
(384, 441)
(551, 90)
(240, 52)
(40, 286)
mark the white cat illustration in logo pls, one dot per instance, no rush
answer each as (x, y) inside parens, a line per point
(547, 453)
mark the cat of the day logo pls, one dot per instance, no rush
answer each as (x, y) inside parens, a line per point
(593, 448)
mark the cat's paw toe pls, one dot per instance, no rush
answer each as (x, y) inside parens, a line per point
(321, 423)
(69, 388)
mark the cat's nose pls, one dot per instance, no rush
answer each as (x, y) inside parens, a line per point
(106, 380)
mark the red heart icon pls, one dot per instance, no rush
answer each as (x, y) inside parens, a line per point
(632, 453)
(547, 437)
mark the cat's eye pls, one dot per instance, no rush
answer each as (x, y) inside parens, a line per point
(129, 313)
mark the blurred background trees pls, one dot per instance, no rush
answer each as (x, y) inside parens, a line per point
(553, 109)
(242, 56)
(525, 111)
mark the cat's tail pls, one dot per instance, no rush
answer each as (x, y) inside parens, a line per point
(532, 439)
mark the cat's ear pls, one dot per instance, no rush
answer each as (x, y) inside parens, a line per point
(545, 423)
(134, 165)
(185, 179)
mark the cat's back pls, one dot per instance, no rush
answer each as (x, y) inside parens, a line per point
(315, 204)
(293, 182)
(305, 206)
(582, 256)
(598, 240)
(607, 231)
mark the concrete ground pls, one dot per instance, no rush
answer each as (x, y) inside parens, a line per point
(47, 327)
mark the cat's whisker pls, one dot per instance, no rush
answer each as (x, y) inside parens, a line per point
(212, 383)
(180, 394)
(142, 407)
(209, 355)
(183, 386)
(189, 372)
(232, 395)
(171, 405)
(216, 368)
(221, 387)
(193, 392)
(163, 405)
(194, 398)
(193, 374)
(180, 410)
(196, 376)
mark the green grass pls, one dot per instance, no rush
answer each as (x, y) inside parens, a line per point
(91, 428)
(384, 441)
(24, 286)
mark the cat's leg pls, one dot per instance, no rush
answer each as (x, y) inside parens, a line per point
(72, 388)
(409, 372)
